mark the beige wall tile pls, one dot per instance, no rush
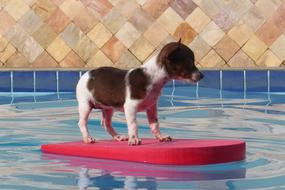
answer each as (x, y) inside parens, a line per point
(45, 61)
(254, 47)
(72, 60)
(99, 35)
(128, 60)
(44, 8)
(44, 35)
(17, 60)
(16, 8)
(86, 49)
(198, 20)
(155, 34)
(6, 22)
(170, 20)
(31, 49)
(212, 34)
(72, 8)
(241, 60)
(278, 47)
(240, 33)
(114, 49)
(114, 21)
(99, 60)
(199, 47)
(58, 49)
(142, 49)
(212, 59)
(226, 48)
(184, 32)
(6, 50)
(128, 34)
(268, 59)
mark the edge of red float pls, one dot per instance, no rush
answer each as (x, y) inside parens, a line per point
(177, 152)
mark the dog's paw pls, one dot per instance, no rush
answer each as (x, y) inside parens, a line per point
(164, 138)
(134, 140)
(88, 140)
(121, 137)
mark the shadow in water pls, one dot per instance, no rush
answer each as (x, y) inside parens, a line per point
(131, 175)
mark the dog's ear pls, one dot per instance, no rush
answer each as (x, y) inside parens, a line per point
(179, 41)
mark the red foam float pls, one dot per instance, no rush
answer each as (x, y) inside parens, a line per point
(177, 152)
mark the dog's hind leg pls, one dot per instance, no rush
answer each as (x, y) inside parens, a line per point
(106, 122)
(154, 125)
(84, 111)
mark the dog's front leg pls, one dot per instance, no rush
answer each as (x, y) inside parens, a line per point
(130, 109)
(154, 125)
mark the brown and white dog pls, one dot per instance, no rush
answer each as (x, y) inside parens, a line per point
(132, 91)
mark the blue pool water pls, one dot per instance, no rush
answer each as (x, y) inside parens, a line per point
(254, 112)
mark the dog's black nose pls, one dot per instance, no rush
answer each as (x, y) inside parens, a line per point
(201, 75)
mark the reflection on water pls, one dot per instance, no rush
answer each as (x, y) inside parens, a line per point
(25, 125)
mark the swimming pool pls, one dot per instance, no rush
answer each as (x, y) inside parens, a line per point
(39, 107)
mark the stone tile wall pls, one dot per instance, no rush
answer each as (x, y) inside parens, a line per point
(124, 33)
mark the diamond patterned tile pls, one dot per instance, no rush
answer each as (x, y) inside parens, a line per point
(72, 60)
(141, 20)
(72, 8)
(183, 7)
(142, 49)
(31, 49)
(44, 8)
(226, 48)
(58, 21)
(45, 61)
(155, 34)
(240, 33)
(200, 48)
(254, 47)
(99, 60)
(267, 8)
(212, 59)
(99, 35)
(98, 8)
(156, 7)
(268, 59)
(114, 49)
(198, 20)
(114, 20)
(278, 47)
(6, 50)
(85, 21)
(127, 7)
(170, 20)
(268, 32)
(17, 60)
(185, 32)
(86, 49)
(128, 60)
(241, 60)
(82, 33)
(16, 8)
(44, 35)
(128, 34)
(212, 34)
(58, 49)
(30, 22)
(6, 22)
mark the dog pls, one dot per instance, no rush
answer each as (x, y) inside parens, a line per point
(134, 90)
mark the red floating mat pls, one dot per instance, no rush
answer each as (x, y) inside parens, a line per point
(177, 152)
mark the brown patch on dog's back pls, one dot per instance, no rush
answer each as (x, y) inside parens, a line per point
(107, 85)
(138, 82)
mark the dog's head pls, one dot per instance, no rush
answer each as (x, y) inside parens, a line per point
(178, 61)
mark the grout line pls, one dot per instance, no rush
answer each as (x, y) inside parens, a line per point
(197, 90)
(268, 84)
(172, 93)
(244, 85)
(34, 78)
(57, 84)
(221, 84)
(12, 87)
